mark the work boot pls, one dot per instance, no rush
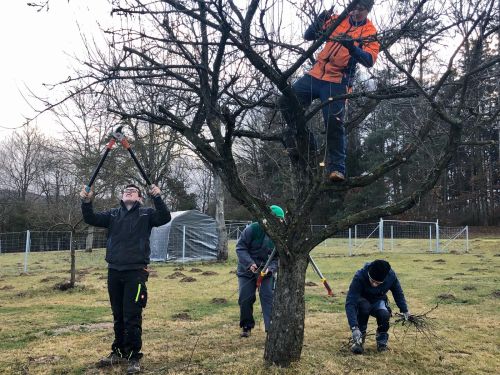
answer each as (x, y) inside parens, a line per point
(111, 360)
(336, 176)
(245, 332)
(133, 366)
(381, 347)
(357, 348)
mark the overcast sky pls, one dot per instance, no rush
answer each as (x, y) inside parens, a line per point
(37, 48)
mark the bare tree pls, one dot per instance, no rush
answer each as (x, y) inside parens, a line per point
(22, 160)
(216, 64)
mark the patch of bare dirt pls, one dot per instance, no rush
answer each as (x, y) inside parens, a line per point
(311, 283)
(187, 279)
(448, 278)
(474, 269)
(63, 286)
(48, 359)
(469, 287)
(50, 278)
(447, 297)
(179, 268)
(439, 261)
(209, 273)
(83, 328)
(428, 268)
(219, 301)
(195, 270)
(175, 275)
(496, 294)
(182, 316)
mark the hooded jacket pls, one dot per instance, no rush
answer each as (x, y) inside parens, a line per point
(254, 246)
(361, 288)
(335, 63)
(127, 246)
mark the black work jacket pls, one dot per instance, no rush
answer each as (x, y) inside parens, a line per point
(127, 246)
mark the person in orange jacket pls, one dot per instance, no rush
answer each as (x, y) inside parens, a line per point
(352, 42)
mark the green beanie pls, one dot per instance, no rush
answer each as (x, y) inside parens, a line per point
(278, 211)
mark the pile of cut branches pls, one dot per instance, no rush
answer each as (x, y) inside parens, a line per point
(421, 322)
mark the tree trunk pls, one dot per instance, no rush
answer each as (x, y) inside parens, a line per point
(89, 241)
(222, 252)
(286, 335)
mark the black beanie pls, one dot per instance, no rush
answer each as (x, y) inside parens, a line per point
(368, 4)
(379, 269)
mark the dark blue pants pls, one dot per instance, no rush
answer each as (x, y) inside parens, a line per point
(378, 310)
(128, 295)
(307, 89)
(247, 289)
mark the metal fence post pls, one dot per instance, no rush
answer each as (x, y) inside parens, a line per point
(355, 234)
(183, 243)
(430, 238)
(26, 251)
(381, 235)
(437, 236)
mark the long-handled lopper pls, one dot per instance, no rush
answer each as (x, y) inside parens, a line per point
(323, 280)
(109, 146)
(263, 272)
(117, 135)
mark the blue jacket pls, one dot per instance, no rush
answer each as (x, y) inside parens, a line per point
(361, 288)
(127, 247)
(254, 246)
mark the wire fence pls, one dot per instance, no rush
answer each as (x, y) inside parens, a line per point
(22, 252)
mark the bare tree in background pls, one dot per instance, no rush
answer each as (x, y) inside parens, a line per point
(216, 64)
(22, 160)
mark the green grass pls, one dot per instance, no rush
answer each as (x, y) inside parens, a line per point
(46, 331)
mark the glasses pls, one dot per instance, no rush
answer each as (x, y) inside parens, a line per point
(375, 282)
(130, 191)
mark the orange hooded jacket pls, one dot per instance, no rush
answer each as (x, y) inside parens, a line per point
(334, 62)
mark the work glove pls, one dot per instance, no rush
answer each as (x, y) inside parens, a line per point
(154, 191)
(253, 268)
(406, 315)
(357, 336)
(347, 42)
(87, 197)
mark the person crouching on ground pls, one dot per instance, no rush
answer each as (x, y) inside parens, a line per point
(253, 250)
(127, 254)
(368, 296)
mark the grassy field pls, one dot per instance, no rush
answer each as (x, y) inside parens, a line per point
(192, 327)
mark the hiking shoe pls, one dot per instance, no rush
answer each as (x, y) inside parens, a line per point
(382, 347)
(111, 360)
(357, 349)
(133, 366)
(336, 176)
(245, 332)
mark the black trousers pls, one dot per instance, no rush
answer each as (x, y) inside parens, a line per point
(380, 311)
(128, 296)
